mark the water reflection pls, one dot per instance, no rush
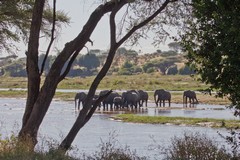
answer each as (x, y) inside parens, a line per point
(159, 112)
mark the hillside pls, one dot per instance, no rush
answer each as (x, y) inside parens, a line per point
(159, 62)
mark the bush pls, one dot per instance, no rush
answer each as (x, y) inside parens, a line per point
(112, 150)
(195, 146)
(186, 70)
(12, 149)
(124, 71)
(172, 70)
(150, 70)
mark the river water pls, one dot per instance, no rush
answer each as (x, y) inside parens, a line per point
(61, 115)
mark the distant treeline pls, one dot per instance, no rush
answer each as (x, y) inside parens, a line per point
(126, 62)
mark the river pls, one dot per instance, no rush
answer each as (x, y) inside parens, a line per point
(61, 115)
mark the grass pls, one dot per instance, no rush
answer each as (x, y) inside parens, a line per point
(206, 122)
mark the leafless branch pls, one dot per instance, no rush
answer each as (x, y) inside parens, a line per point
(52, 37)
(143, 23)
(69, 65)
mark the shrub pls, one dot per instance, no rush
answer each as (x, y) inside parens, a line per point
(195, 146)
(125, 71)
(150, 70)
(172, 70)
(12, 149)
(186, 70)
(111, 149)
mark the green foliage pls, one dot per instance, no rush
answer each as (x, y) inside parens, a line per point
(172, 70)
(127, 65)
(90, 61)
(128, 69)
(15, 69)
(15, 17)
(121, 51)
(186, 70)
(150, 70)
(125, 71)
(213, 45)
(164, 65)
(147, 66)
(137, 69)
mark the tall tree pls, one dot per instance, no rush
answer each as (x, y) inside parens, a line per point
(212, 41)
(90, 61)
(140, 17)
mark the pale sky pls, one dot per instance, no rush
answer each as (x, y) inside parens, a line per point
(79, 11)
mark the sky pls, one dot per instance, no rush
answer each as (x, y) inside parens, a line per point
(79, 12)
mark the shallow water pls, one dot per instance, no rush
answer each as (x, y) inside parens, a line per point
(61, 115)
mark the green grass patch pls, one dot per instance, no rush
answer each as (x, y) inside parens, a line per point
(205, 122)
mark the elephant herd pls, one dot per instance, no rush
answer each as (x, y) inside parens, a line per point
(134, 98)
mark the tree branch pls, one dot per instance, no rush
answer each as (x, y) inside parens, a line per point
(143, 23)
(95, 105)
(68, 66)
(52, 37)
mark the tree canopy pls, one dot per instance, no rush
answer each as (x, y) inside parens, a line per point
(212, 41)
(89, 61)
(15, 20)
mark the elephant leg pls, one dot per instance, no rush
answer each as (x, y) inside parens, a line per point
(136, 105)
(104, 105)
(75, 104)
(169, 103)
(157, 101)
(163, 103)
(79, 104)
(111, 106)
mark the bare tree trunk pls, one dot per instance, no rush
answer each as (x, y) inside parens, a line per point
(39, 101)
(32, 62)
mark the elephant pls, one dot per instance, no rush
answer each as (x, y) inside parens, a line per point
(143, 97)
(191, 95)
(95, 97)
(118, 102)
(109, 99)
(131, 98)
(162, 95)
(80, 98)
